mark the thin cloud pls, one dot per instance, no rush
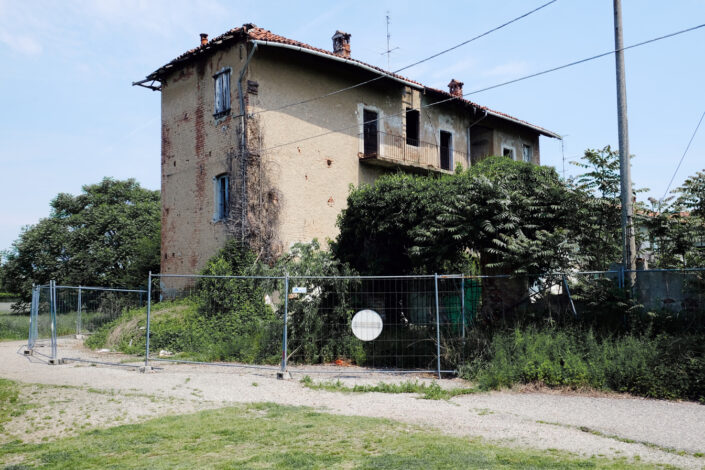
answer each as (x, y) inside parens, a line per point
(21, 43)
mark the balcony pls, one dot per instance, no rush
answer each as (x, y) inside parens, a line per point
(389, 150)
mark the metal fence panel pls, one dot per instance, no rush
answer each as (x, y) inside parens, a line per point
(225, 320)
(401, 327)
(40, 327)
(379, 323)
(60, 312)
(673, 297)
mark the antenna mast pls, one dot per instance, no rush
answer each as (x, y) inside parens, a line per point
(389, 37)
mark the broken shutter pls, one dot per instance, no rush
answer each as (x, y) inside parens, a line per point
(222, 92)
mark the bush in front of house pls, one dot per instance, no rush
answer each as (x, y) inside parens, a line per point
(658, 366)
(222, 319)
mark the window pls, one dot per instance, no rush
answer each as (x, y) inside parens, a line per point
(221, 187)
(508, 152)
(412, 126)
(446, 150)
(369, 133)
(527, 153)
(222, 92)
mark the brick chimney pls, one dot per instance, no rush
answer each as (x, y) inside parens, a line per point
(204, 39)
(341, 43)
(455, 88)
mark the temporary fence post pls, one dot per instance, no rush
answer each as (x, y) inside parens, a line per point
(462, 302)
(52, 308)
(286, 320)
(32, 318)
(149, 313)
(78, 318)
(438, 329)
(570, 297)
(35, 328)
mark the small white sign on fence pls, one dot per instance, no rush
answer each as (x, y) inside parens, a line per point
(298, 290)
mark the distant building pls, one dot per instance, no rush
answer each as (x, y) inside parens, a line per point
(250, 150)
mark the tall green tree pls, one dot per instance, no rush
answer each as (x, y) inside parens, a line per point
(600, 222)
(504, 215)
(109, 235)
(692, 195)
(676, 226)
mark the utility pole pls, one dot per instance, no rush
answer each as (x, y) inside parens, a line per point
(629, 244)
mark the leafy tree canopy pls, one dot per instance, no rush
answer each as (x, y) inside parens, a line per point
(109, 235)
(676, 226)
(507, 216)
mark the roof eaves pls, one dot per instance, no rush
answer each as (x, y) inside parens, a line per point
(212, 45)
(494, 113)
(327, 55)
(265, 37)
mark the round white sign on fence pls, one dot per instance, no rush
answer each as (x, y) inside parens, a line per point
(367, 325)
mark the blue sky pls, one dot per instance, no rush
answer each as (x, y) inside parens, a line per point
(70, 116)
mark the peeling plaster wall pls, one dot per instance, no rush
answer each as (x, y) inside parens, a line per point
(314, 176)
(195, 148)
(514, 137)
(305, 184)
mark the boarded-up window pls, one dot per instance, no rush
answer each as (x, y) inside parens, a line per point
(446, 150)
(369, 133)
(412, 126)
(222, 92)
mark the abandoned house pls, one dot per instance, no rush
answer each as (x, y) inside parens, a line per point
(258, 142)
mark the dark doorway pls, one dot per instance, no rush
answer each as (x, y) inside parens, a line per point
(446, 147)
(412, 126)
(370, 141)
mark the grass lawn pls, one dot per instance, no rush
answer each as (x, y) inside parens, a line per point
(13, 326)
(432, 391)
(272, 436)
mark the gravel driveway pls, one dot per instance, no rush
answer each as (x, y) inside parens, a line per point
(615, 426)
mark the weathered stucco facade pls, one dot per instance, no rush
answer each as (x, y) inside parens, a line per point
(287, 176)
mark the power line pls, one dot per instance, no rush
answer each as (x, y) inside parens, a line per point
(682, 158)
(509, 82)
(305, 139)
(588, 59)
(477, 37)
(437, 54)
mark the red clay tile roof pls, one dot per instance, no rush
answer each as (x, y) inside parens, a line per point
(252, 32)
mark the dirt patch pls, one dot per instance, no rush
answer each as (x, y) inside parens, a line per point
(66, 410)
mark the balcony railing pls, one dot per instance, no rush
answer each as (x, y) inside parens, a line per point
(390, 149)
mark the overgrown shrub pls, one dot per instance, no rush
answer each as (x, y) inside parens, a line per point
(223, 319)
(231, 320)
(661, 366)
(319, 321)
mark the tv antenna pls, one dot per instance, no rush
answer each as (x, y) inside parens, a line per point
(389, 37)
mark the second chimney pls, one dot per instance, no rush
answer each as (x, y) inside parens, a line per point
(341, 43)
(204, 39)
(455, 88)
